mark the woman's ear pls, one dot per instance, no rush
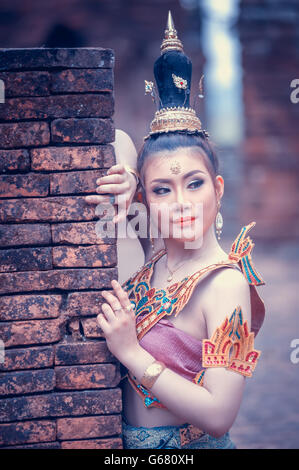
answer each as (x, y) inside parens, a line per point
(219, 186)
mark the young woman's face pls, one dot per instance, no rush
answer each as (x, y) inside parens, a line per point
(181, 195)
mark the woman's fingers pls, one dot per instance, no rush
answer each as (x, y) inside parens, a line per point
(122, 297)
(114, 188)
(115, 178)
(109, 313)
(97, 199)
(102, 322)
(113, 302)
(118, 168)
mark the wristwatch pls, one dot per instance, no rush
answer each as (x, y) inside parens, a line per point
(152, 373)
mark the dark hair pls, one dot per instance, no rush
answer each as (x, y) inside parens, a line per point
(171, 141)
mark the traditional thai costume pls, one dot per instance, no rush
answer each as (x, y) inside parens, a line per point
(180, 351)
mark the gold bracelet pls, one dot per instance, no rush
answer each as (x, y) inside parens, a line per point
(134, 173)
(151, 374)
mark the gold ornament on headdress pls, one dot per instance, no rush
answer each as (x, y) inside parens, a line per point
(201, 95)
(148, 86)
(171, 41)
(177, 118)
(179, 82)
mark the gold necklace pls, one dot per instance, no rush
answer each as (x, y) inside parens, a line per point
(172, 272)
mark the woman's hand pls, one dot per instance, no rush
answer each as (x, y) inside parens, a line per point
(120, 183)
(118, 323)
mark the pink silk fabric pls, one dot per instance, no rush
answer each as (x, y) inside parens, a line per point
(178, 350)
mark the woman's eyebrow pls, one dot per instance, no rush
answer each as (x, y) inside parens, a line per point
(165, 180)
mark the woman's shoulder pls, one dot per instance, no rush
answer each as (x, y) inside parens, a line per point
(226, 289)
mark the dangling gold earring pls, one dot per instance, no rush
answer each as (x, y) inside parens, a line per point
(150, 234)
(219, 221)
(151, 237)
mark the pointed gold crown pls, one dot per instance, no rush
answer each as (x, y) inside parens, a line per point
(171, 41)
(174, 118)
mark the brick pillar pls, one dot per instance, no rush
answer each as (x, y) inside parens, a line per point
(59, 382)
(270, 38)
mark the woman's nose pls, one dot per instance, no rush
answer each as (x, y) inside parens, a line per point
(181, 199)
(181, 204)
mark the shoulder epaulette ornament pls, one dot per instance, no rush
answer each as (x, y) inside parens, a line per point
(233, 334)
(241, 253)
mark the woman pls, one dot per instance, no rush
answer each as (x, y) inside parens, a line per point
(183, 325)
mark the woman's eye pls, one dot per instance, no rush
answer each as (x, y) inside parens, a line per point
(195, 184)
(161, 191)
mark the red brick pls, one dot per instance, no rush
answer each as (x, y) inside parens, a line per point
(75, 182)
(91, 328)
(87, 352)
(86, 80)
(84, 377)
(84, 303)
(82, 233)
(113, 443)
(24, 185)
(14, 160)
(66, 279)
(85, 130)
(27, 431)
(18, 383)
(28, 358)
(84, 256)
(21, 234)
(27, 307)
(22, 134)
(33, 83)
(26, 259)
(59, 106)
(88, 427)
(83, 403)
(50, 209)
(73, 329)
(72, 158)
(44, 58)
(31, 332)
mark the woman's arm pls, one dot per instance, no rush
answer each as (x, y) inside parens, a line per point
(119, 181)
(212, 407)
(126, 153)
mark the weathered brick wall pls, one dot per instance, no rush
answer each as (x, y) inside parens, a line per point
(270, 52)
(59, 382)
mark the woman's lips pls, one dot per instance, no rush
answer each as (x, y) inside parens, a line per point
(185, 220)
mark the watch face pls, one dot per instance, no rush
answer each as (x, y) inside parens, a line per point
(155, 368)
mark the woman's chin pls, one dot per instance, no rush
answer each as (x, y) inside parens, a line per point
(187, 235)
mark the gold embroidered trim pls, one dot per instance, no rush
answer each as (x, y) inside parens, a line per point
(232, 334)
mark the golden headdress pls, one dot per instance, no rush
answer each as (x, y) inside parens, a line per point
(172, 72)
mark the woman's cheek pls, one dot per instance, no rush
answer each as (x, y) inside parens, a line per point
(209, 211)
